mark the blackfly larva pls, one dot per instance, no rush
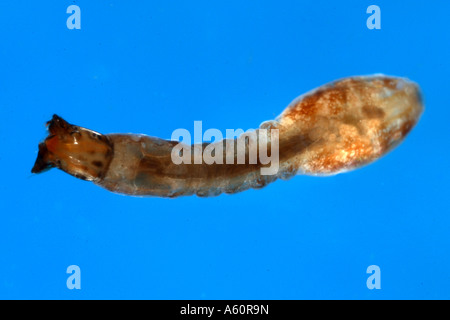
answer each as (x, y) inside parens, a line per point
(337, 127)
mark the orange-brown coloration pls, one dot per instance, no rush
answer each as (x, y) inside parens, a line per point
(335, 128)
(67, 149)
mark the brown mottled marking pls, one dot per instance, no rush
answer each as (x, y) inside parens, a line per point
(97, 163)
(371, 111)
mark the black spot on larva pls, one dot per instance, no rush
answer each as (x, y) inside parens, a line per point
(97, 136)
(98, 164)
(80, 176)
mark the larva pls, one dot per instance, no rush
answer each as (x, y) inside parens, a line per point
(337, 127)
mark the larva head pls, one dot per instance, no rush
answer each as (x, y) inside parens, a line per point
(81, 152)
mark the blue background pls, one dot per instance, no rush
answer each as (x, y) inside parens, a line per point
(154, 66)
